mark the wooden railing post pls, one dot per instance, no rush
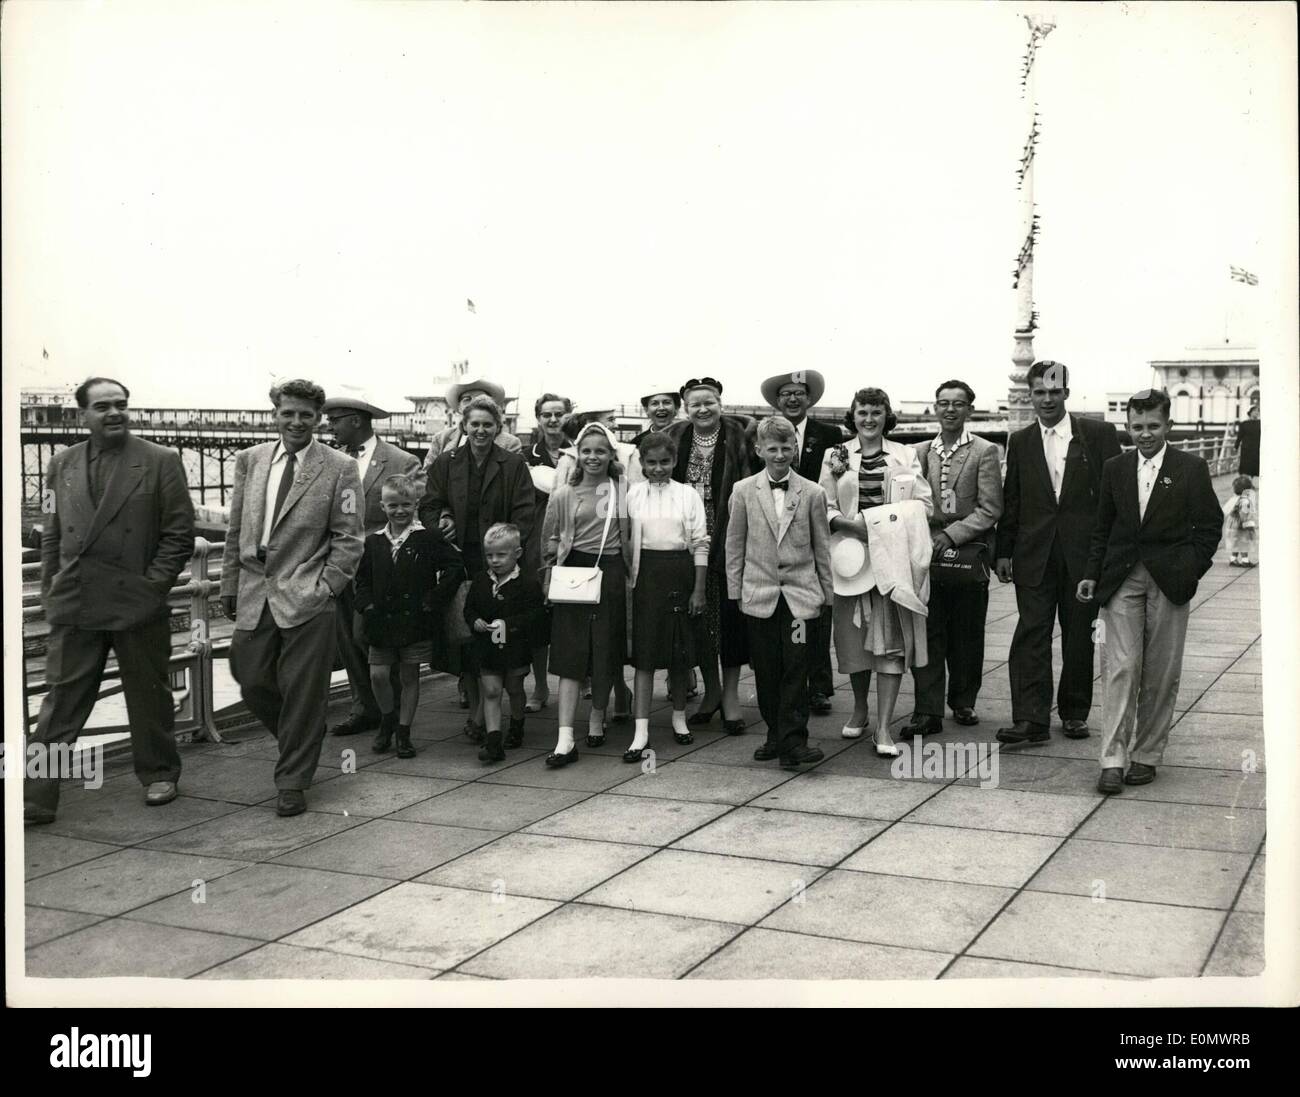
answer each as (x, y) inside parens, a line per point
(200, 645)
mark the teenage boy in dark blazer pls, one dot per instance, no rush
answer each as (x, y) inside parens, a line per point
(793, 394)
(1048, 514)
(1158, 524)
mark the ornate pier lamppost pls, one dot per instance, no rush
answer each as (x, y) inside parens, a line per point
(1019, 412)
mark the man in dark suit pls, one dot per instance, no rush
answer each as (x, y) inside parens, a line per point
(793, 394)
(292, 547)
(1049, 512)
(119, 533)
(1158, 524)
(352, 422)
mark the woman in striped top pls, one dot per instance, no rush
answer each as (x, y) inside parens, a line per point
(871, 632)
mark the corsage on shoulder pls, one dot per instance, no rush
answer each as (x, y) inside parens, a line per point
(839, 461)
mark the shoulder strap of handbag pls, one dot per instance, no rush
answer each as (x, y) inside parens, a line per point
(609, 517)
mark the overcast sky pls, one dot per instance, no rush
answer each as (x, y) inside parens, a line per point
(201, 196)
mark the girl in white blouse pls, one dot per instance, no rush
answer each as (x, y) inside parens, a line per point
(669, 573)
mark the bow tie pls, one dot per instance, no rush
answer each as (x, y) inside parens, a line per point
(779, 485)
(354, 451)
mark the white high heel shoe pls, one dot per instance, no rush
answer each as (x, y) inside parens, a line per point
(847, 732)
(885, 751)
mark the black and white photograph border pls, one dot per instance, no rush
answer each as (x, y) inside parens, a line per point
(533, 214)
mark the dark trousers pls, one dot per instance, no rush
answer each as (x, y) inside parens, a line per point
(74, 669)
(354, 658)
(819, 655)
(954, 635)
(284, 679)
(1031, 647)
(779, 655)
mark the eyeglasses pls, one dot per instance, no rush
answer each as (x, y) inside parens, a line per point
(800, 391)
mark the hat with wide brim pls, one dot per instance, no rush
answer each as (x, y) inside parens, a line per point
(815, 381)
(491, 388)
(850, 565)
(351, 403)
(677, 396)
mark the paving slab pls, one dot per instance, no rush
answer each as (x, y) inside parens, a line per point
(120, 947)
(276, 961)
(1034, 771)
(542, 866)
(1005, 809)
(709, 784)
(704, 885)
(372, 794)
(793, 836)
(936, 915)
(1198, 785)
(253, 834)
(451, 761)
(638, 820)
(772, 954)
(1115, 935)
(738, 750)
(1189, 826)
(45, 853)
(594, 942)
(491, 807)
(126, 879)
(1240, 950)
(264, 901)
(862, 797)
(1115, 870)
(976, 967)
(42, 924)
(591, 773)
(389, 848)
(124, 821)
(421, 924)
(1251, 900)
(946, 853)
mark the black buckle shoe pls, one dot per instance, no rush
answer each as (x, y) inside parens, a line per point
(515, 736)
(491, 750)
(387, 727)
(405, 749)
(558, 761)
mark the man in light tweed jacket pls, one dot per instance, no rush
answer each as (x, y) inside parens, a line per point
(294, 544)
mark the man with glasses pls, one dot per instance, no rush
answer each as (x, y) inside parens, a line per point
(352, 422)
(792, 395)
(965, 474)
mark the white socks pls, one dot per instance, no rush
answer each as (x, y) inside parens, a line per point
(679, 722)
(642, 735)
(566, 741)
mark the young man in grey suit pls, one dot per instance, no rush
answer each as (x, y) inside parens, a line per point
(292, 548)
(965, 474)
(779, 571)
(119, 533)
(352, 422)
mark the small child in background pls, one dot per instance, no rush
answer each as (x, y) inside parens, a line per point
(399, 607)
(505, 610)
(1242, 528)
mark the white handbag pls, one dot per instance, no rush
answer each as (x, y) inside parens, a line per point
(580, 586)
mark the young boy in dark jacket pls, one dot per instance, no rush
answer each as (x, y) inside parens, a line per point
(505, 611)
(408, 576)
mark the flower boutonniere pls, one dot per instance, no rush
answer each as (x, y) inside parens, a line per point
(839, 461)
(1166, 481)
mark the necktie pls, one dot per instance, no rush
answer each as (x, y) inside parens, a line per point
(1052, 462)
(354, 451)
(1148, 482)
(286, 482)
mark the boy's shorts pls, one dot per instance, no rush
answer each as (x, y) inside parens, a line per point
(419, 652)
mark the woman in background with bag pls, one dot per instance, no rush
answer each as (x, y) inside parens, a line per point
(587, 540)
(872, 630)
(965, 475)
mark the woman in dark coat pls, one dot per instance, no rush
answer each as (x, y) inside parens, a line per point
(470, 489)
(713, 456)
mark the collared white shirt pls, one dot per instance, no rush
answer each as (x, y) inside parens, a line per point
(367, 449)
(778, 501)
(398, 540)
(1056, 440)
(279, 458)
(500, 581)
(1148, 473)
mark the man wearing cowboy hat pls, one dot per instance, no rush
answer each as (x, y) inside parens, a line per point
(792, 394)
(351, 420)
(661, 408)
(452, 437)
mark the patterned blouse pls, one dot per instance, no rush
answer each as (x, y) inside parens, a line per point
(699, 470)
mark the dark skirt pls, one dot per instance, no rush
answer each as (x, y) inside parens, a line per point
(591, 640)
(720, 633)
(662, 633)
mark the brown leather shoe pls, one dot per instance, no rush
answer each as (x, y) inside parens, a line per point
(1110, 782)
(1139, 774)
(159, 793)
